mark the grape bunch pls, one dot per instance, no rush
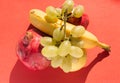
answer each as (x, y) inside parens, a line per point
(75, 15)
(64, 51)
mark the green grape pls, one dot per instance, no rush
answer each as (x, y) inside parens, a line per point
(51, 11)
(77, 31)
(46, 41)
(78, 63)
(51, 19)
(67, 5)
(52, 14)
(80, 44)
(77, 42)
(56, 61)
(59, 11)
(49, 51)
(78, 11)
(66, 65)
(64, 48)
(74, 40)
(76, 52)
(58, 34)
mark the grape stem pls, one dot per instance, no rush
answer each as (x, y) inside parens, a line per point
(65, 20)
(62, 27)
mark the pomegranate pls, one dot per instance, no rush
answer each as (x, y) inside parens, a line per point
(29, 51)
(84, 20)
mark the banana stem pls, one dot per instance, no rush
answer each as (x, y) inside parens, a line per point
(104, 46)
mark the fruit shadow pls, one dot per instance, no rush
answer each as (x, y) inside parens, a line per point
(21, 74)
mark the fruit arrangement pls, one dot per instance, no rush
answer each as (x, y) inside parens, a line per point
(62, 39)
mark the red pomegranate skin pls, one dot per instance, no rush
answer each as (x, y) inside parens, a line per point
(29, 51)
(84, 20)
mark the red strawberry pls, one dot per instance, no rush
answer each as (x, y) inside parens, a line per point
(29, 51)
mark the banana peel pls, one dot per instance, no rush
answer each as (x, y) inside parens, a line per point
(37, 19)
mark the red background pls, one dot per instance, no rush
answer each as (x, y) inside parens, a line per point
(104, 18)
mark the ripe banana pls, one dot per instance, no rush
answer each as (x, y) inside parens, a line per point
(37, 19)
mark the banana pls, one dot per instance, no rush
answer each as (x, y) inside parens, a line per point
(37, 19)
